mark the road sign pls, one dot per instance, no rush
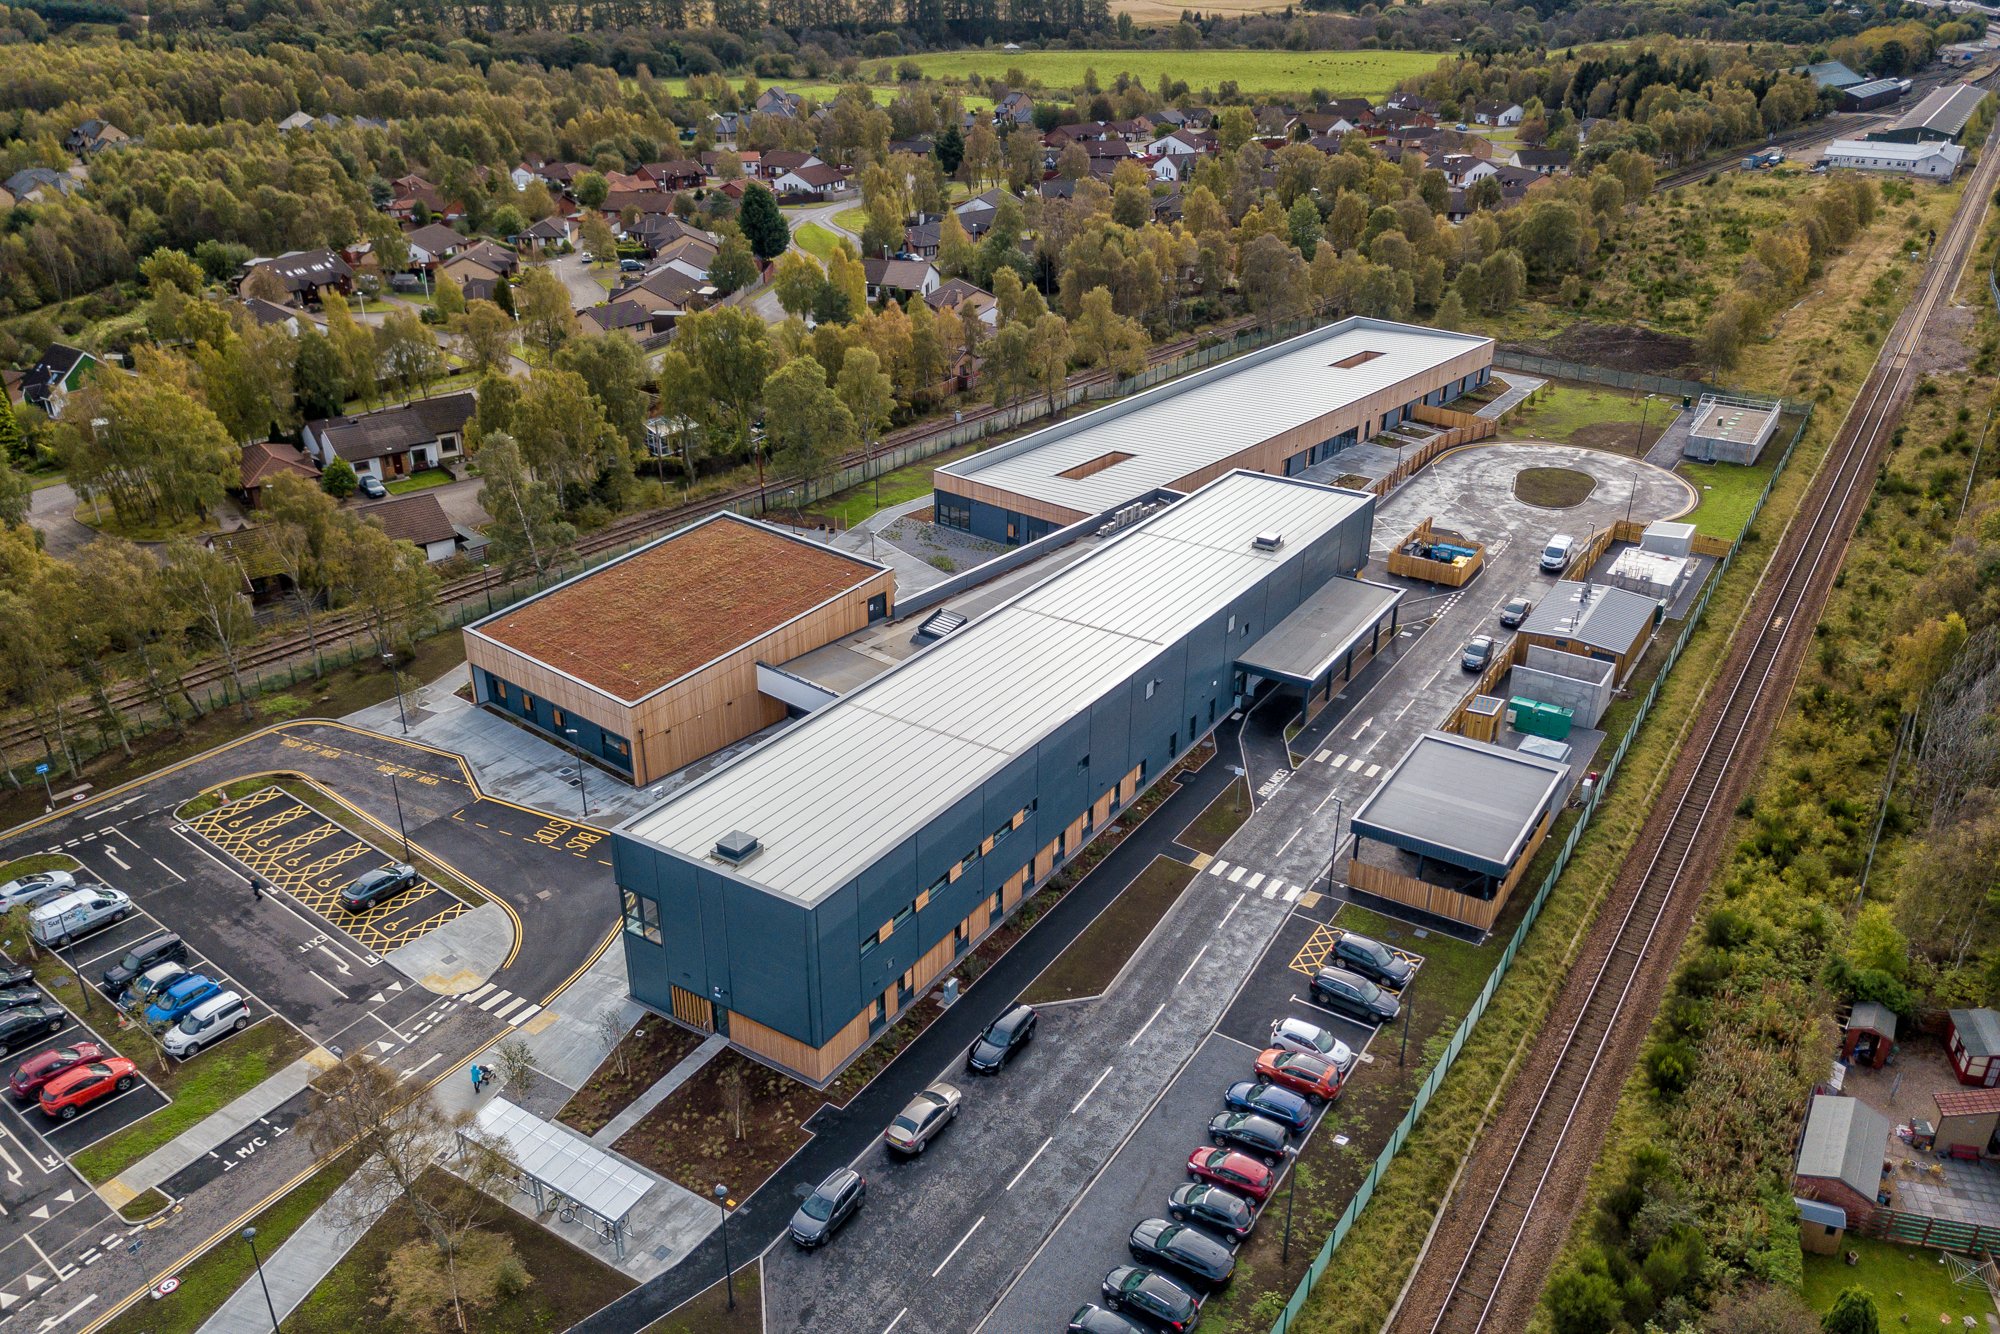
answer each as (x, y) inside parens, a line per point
(42, 768)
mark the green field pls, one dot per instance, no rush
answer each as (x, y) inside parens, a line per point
(816, 240)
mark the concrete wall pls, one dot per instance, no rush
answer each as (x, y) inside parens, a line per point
(1577, 683)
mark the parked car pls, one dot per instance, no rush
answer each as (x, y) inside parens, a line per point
(183, 995)
(372, 887)
(79, 1086)
(207, 1023)
(152, 982)
(1312, 1077)
(1002, 1041)
(1234, 1171)
(83, 910)
(29, 890)
(1186, 1250)
(1090, 1318)
(1298, 1035)
(1373, 960)
(1154, 1295)
(630, 265)
(165, 947)
(14, 998)
(14, 975)
(917, 1124)
(28, 1077)
(371, 486)
(1354, 995)
(18, 1027)
(1478, 652)
(1514, 612)
(1258, 1136)
(1223, 1212)
(1272, 1101)
(1555, 555)
(829, 1206)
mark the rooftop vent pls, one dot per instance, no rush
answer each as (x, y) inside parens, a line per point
(1268, 541)
(737, 847)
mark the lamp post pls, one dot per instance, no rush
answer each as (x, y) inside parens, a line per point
(1403, 1050)
(487, 579)
(728, 1274)
(389, 661)
(1638, 453)
(1335, 852)
(250, 1235)
(582, 768)
(396, 791)
(1291, 1194)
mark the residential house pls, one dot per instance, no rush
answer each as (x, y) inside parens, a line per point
(1016, 107)
(32, 185)
(678, 174)
(632, 317)
(548, 234)
(1394, 121)
(641, 202)
(1501, 113)
(94, 136)
(418, 519)
(914, 147)
(266, 459)
(924, 234)
(50, 381)
(1514, 181)
(777, 102)
(1181, 143)
(777, 161)
(477, 280)
(657, 231)
(725, 124)
(391, 442)
(814, 178)
(1113, 151)
(498, 258)
(1319, 123)
(1089, 131)
(1172, 169)
(562, 175)
(432, 244)
(977, 213)
(1411, 102)
(748, 159)
(268, 313)
(255, 554)
(899, 279)
(305, 274)
(1461, 171)
(622, 182)
(969, 301)
(298, 120)
(1542, 161)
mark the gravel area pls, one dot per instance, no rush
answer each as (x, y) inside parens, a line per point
(930, 543)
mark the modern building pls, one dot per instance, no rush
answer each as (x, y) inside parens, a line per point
(1872, 94)
(1454, 825)
(1277, 410)
(801, 896)
(1932, 160)
(1730, 430)
(1593, 621)
(1840, 1155)
(661, 657)
(1939, 117)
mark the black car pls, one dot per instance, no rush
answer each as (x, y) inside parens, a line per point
(833, 1203)
(1354, 995)
(1515, 611)
(1477, 653)
(1090, 1318)
(1259, 1136)
(1373, 960)
(1153, 1295)
(1185, 1249)
(14, 975)
(381, 883)
(1220, 1211)
(1003, 1041)
(166, 947)
(371, 486)
(28, 1023)
(17, 998)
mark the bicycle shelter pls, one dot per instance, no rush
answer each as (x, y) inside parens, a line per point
(559, 1169)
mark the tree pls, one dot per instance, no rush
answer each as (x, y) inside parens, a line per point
(764, 227)
(16, 492)
(1274, 279)
(564, 435)
(734, 266)
(615, 370)
(1302, 223)
(949, 149)
(590, 189)
(798, 281)
(1584, 1302)
(486, 336)
(598, 242)
(870, 395)
(547, 318)
(1852, 1312)
(337, 479)
(729, 354)
(1108, 340)
(528, 529)
(503, 295)
(211, 591)
(390, 584)
(263, 285)
(408, 353)
(449, 297)
(13, 441)
(154, 448)
(809, 426)
(1049, 349)
(319, 381)
(300, 523)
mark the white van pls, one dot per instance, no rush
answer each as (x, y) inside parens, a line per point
(207, 1023)
(77, 913)
(1555, 556)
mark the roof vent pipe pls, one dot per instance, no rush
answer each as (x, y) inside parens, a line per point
(737, 847)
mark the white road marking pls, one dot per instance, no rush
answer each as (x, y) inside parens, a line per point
(418, 1069)
(1355, 767)
(1323, 801)
(1340, 759)
(524, 1016)
(55, 1320)
(1288, 842)
(961, 1242)
(1237, 874)
(1355, 735)
(1148, 1024)
(1087, 1092)
(1191, 963)
(1271, 890)
(116, 860)
(1232, 910)
(1321, 757)
(1292, 893)
(499, 994)
(329, 986)
(1373, 769)
(1254, 881)
(501, 1013)
(170, 870)
(886, 1329)
(1218, 866)
(477, 994)
(1030, 1163)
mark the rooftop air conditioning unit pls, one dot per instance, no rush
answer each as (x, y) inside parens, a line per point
(737, 847)
(1268, 541)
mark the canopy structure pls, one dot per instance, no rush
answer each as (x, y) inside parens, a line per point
(559, 1169)
(1322, 635)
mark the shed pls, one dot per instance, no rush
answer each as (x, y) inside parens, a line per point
(1668, 538)
(1652, 574)
(1967, 1122)
(1820, 1225)
(1840, 1154)
(1870, 1035)
(1974, 1047)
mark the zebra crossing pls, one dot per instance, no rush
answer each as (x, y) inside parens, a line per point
(1268, 886)
(502, 1004)
(1356, 765)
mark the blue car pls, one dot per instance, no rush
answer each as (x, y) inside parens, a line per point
(1287, 1108)
(181, 997)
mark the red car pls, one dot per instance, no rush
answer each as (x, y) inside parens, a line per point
(40, 1068)
(81, 1085)
(1318, 1079)
(1232, 1170)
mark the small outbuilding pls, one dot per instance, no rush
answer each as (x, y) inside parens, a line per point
(1974, 1047)
(1730, 430)
(1821, 1226)
(1593, 621)
(1968, 1122)
(1869, 1036)
(1840, 1154)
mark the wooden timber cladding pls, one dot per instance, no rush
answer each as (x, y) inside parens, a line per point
(692, 1010)
(1446, 573)
(1439, 900)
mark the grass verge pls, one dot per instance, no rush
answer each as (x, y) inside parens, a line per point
(1094, 957)
(709, 1312)
(816, 240)
(1208, 831)
(1911, 1285)
(421, 480)
(143, 1206)
(1553, 488)
(1728, 492)
(652, 1048)
(41, 861)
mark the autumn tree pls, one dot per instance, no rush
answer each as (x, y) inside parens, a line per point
(528, 530)
(210, 589)
(809, 426)
(486, 336)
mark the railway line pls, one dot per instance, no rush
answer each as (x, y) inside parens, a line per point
(1487, 1260)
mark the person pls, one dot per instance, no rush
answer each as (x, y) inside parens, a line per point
(256, 890)
(478, 1078)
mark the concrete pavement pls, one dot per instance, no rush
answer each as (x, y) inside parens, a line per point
(683, 1070)
(294, 1269)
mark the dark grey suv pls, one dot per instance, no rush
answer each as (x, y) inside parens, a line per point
(1373, 960)
(1256, 1135)
(1354, 995)
(836, 1201)
(1183, 1249)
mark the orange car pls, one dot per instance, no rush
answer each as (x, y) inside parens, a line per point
(79, 1086)
(1318, 1079)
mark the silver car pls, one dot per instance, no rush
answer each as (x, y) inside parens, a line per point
(1312, 1040)
(929, 1112)
(38, 887)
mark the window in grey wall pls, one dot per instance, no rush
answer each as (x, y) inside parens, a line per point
(642, 916)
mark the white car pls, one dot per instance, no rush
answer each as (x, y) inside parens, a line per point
(1312, 1040)
(39, 887)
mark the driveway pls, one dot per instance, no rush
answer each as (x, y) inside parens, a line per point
(576, 274)
(52, 513)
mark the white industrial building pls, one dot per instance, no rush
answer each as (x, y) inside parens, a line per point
(1933, 160)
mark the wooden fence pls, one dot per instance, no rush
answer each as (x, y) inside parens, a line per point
(1447, 573)
(1946, 1234)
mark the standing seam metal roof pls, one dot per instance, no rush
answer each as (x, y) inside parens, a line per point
(852, 781)
(1944, 110)
(1612, 619)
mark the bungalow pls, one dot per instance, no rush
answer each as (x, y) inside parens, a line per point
(418, 519)
(620, 182)
(390, 442)
(49, 382)
(432, 244)
(775, 162)
(657, 232)
(898, 279)
(1089, 131)
(632, 317)
(1501, 114)
(305, 274)
(1181, 143)
(498, 258)
(266, 459)
(1461, 171)
(924, 234)
(408, 192)
(748, 159)
(977, 213)
(637, 202)
(678, 174)
(1172, 169)
(548, 234)
(298, 120)
(816, 178)
(479, 282)
(969, 301)
(32, 185)
(94, 136)
(268, 313)
(919, 147)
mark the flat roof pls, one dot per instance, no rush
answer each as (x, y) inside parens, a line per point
(1894, 152)
(1732, 420)
(1601, 616)
(647, 619)
(1175, 430)
(1943, 110)
(1302, 647)
(563, 1160)
(850, 782)
(1461, 801)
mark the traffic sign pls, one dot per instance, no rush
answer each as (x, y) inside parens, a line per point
(42, 768)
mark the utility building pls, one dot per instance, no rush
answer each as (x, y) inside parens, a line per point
(1593, 621)
(1278, 411)
(801, 896)
(1730, 430)
(1940, 117)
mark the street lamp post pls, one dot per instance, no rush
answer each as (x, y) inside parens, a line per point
(1291, 1194)
(396, 790)
(582, 768)
(1334, 853)
(487, 579)
(1404, 1049)
(250, 1235)
(728, 1273)
(389, 661)
(1638, 453)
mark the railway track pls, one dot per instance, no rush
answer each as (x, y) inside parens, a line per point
(1485, 1265)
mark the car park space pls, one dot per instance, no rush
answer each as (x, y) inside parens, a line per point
(1279, 988)
(112, 1113)
(94, 954)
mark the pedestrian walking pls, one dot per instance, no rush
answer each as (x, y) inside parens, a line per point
(478, 1079)
(256, 889)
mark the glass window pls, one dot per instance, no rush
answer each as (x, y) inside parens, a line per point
(642, 916)
(499, 688)
(557, 714)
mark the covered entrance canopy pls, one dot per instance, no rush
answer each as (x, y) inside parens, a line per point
(561, 1170)
(1328, 638)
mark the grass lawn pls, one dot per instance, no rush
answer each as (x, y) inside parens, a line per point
(198, 1088)
(1592, 415)
(815, 240)
(709, 1312)
(565, 1284)
(852, 219)
(143, 1206)
(1094, 957)
(649, 1051)
(852, 506)
(100, 515)
(1208, 831)
(1728, 491)
(39, 480)
(1341, 73)
(1453, 970)
(1911, 1285)
(41, 861)
(207, 1283)
(1553, 488)
(421, 480)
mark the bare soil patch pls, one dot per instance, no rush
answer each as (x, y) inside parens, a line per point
(1621, 347)
(1621, 437)
(652, 1048)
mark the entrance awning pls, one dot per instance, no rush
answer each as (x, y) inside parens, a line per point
(1301, 649)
